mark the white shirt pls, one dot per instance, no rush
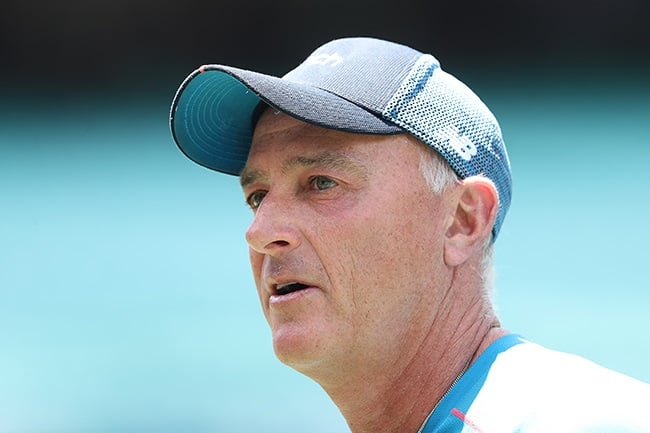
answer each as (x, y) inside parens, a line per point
(520, 387)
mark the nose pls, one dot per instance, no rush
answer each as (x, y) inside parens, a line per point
(273, 230)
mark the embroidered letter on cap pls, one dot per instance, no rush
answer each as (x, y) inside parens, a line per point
(323, 59)
(460, 143)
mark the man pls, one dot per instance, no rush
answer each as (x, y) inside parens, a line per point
(378, 184)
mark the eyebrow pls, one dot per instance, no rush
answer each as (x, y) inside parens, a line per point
(328, 159)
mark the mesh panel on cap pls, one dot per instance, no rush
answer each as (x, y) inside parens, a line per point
(445, 114)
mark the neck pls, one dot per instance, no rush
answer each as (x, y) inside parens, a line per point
(399, 397)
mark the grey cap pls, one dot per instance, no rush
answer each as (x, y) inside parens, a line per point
(358, 85)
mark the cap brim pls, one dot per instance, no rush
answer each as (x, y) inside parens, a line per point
(212, 116)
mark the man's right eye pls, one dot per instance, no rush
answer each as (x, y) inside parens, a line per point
(254, 200)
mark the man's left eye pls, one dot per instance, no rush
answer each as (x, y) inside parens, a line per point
(322, 183)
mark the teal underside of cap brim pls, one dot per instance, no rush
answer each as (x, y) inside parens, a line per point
(213, 121)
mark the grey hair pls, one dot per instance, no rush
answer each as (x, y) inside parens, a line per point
(439, 175)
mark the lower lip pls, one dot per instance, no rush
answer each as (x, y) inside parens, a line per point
(290, 297)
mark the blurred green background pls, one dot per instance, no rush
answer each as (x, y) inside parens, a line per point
(126, 301)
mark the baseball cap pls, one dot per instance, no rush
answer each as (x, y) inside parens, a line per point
(358, 85)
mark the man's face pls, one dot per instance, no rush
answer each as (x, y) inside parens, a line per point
(345, 244)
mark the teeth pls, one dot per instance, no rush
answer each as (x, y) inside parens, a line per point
(282, 286)
(283, 289)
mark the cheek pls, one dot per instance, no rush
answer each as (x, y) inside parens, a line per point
(393, 246)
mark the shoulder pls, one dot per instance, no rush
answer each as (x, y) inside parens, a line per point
(529, 388)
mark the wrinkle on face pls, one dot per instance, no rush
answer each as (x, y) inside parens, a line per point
(376, 247)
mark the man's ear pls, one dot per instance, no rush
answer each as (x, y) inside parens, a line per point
(470, 225)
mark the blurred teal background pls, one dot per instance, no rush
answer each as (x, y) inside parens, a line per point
(126, 301)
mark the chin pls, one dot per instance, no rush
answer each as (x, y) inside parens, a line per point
(301, 348)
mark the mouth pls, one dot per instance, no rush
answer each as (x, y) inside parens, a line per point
(285, 289)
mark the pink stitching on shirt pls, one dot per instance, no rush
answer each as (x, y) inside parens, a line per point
(461, 416)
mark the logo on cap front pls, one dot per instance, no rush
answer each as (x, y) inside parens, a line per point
(324, 59)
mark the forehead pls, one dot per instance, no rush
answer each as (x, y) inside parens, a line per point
(282, 143)
(277, 130)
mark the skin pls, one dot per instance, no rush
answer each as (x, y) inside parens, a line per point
(392, 311)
